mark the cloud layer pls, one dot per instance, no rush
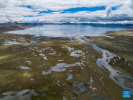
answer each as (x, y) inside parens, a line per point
(52, 11)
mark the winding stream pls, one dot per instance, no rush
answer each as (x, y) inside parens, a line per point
(124, 80)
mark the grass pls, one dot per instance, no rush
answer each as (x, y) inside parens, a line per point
(12, 78)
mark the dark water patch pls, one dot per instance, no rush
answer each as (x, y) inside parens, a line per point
(70, 76)
(21, 95)
(60, 67)
(36, 40)
(98, 97)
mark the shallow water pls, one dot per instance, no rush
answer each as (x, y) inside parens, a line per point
(60, 67)
(124, 80)
(119, 77)
(24, 67)
(11, 42)
(70, 76)
(20, 95)
(77, 53)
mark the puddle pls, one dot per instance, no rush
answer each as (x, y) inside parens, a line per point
(32, 79)
(70, 76)
(71, 39)
(24, 67)
(20, 95)
(82, 68)
(36, 47)
(39, 51)
(25, 45)
(61, 60)
(45, 58)
(60, 67)
(41, 54)
(29, 62)
(77, 53)
(36, 40)
(81, 87)
(22, 39)
(69, 48)
(52, 53)
(91, 79)
(109, 37)
(98, 97)
(93, 88)
(64, 98)
(94, 94)
(58, 83)
(73, 98)
(43, 64)
(14, 39)
(11, 42)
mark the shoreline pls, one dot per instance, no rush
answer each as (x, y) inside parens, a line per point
(5, 27)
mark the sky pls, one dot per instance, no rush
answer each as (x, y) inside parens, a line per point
(66, 11)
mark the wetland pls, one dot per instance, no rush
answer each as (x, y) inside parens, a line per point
(66, 66)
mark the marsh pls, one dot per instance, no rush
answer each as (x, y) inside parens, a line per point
(65, 67)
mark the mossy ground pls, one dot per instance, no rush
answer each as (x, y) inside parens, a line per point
(120, 43)
(12, 78)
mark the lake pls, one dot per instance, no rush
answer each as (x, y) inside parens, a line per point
(59, 30)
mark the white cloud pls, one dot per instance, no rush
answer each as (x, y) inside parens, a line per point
(108, 10)
(10, 10)
(129, 3)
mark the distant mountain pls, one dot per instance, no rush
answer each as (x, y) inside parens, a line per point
(15, 25)
(91, 24)
(101, 25)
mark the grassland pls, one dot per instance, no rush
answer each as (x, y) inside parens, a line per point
(41, 64)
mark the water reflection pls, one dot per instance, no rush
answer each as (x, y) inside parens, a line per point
(24, 67)
(60, 67)
(70, 76)
(20, 95)
(71, 30)
(120, 78)
(10, 42)
(77, 53)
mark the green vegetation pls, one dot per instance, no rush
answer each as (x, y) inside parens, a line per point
(40, 55)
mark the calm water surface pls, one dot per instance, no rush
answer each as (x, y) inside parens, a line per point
(71, 30)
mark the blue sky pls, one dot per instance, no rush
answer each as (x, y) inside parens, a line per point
(73, 11)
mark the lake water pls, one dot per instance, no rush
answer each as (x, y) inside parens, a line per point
(71, 30)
